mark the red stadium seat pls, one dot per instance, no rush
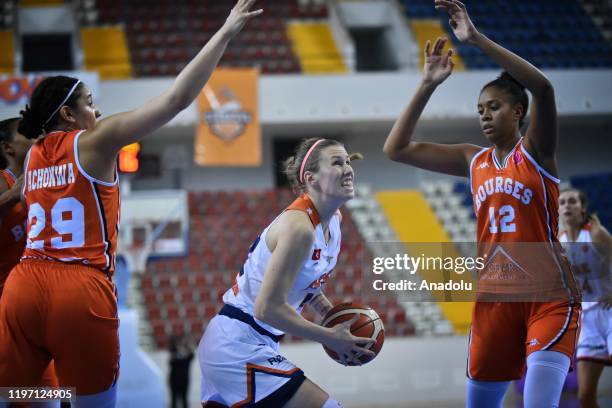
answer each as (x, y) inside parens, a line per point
(197, 327)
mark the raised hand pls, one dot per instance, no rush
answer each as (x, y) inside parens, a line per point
(347, 346)
(460, 22)
(438, 66)
(239, 15)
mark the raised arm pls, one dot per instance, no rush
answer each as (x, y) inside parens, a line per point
(119, 130)
(449, 159)
(541, 136)
(290, 241)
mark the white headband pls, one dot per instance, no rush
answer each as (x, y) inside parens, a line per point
(64, 101)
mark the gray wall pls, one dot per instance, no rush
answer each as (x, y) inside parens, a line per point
(584, 148)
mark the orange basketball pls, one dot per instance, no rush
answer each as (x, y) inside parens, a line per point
(368, 324)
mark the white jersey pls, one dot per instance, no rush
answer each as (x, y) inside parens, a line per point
(591, 273)
(315, 271)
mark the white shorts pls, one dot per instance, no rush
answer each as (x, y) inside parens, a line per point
(595, 342)
(241, 367)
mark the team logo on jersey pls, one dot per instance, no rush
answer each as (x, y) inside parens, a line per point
(321, 281)
(276, 359)
(517, 157)
(316, 254)
(533, 342)
(227, 119)
(483, 165)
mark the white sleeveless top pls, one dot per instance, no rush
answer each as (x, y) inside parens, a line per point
(309, 281)
(592, 275)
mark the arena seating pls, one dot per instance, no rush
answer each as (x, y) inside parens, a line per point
(105, 51)
(182, 294)
(550, 34)
(316, 48)
(162, 39)
(7, 63)
(7, 21)
(428, 30)
(420, 227)
(601, 12)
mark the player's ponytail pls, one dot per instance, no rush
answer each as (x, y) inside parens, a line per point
(49, 96)
(587, 216)
(593, 219)
(31, 125)
(514, 89)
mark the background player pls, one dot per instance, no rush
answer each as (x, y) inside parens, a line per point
(544, 333)
(286, 268)
(13, 149)
(591, 261)
(72, 197)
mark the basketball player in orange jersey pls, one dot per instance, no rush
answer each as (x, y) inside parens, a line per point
(589, 247)
(286, 268)
(13, 148)
(515, 189)
(59, 303)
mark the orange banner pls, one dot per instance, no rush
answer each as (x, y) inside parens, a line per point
(228, 132)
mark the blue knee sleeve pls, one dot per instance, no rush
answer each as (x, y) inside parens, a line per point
(546, 372)
(485, 394)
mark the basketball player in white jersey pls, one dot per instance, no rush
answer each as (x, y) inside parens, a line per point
(286, 268)
(588, 246)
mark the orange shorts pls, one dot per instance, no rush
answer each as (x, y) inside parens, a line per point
(65, 312)
(503, 334)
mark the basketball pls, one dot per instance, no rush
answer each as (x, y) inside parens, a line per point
(368, 324)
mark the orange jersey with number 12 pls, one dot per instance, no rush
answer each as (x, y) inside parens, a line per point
(72, 217)
(516, 205)
(514, 201)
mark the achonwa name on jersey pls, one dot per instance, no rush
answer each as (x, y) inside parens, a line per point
(54, 176)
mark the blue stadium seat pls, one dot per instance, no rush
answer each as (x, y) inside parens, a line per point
(533, 29)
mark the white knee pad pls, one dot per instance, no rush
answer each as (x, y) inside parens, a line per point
(331, 403)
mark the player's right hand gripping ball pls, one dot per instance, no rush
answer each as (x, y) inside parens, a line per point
(369, 324)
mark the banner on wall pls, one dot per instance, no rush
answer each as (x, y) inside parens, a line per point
(16, 90)
(228, 131)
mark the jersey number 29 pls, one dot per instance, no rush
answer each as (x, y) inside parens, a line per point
(67, 219)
